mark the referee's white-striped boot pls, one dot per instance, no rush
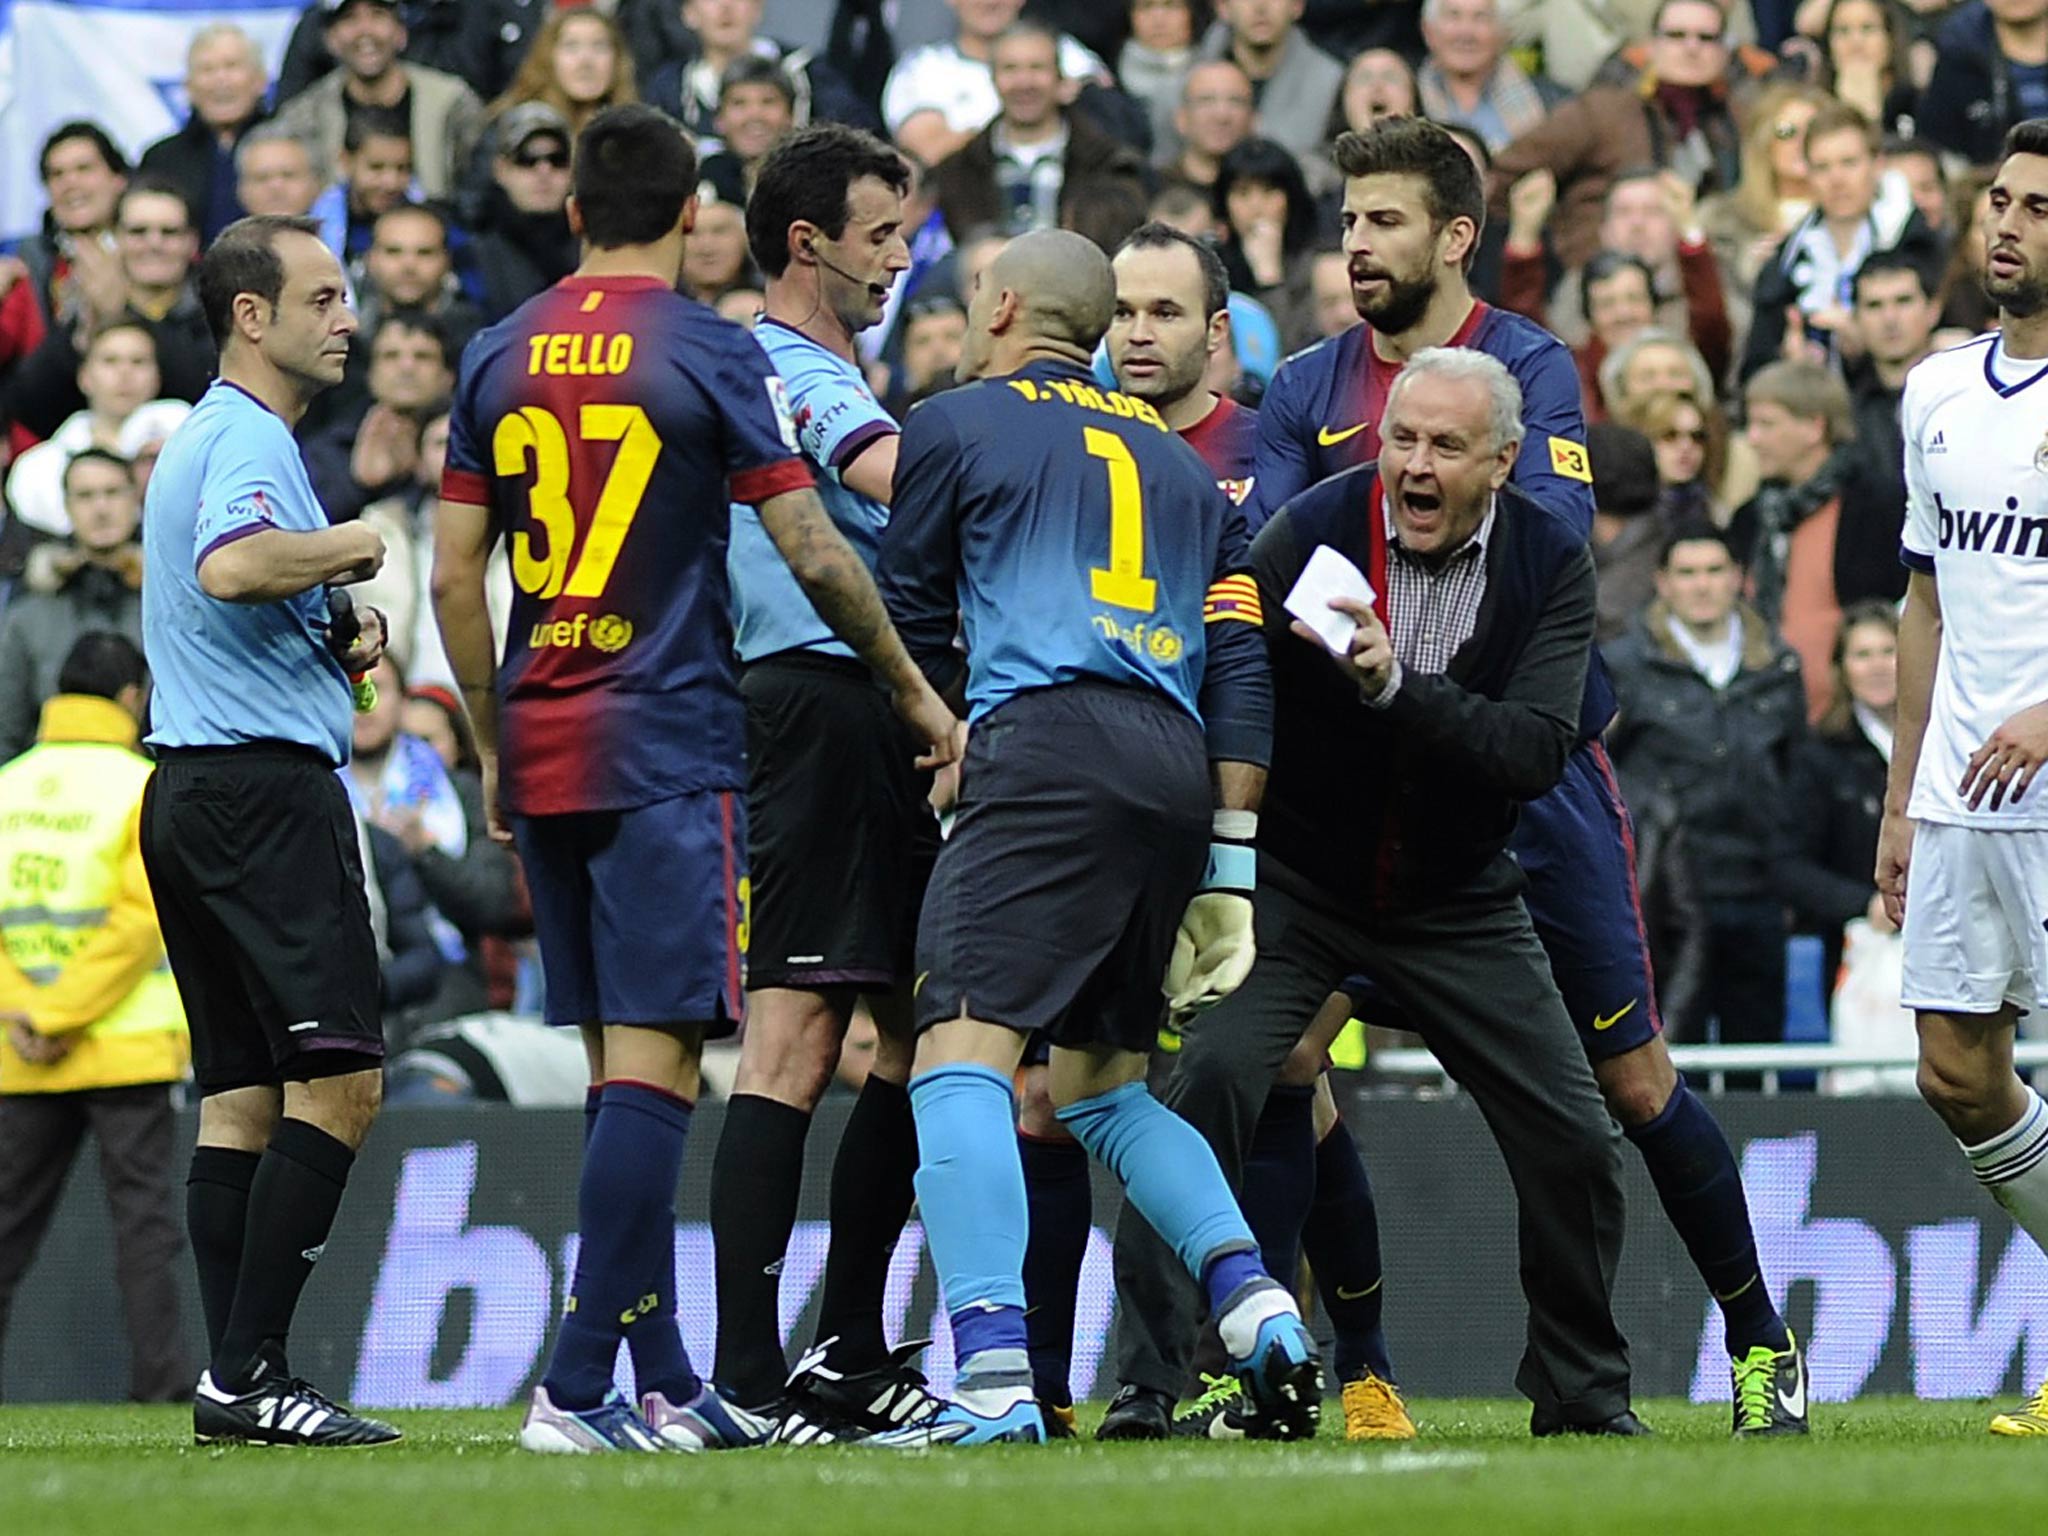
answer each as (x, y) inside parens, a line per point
(280, 1410)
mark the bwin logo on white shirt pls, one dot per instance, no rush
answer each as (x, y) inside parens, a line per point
(1966, 528)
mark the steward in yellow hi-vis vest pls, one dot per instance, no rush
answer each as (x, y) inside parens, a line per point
(94, 1032)
(83, 958)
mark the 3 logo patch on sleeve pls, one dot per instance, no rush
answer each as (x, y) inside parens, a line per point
(1569, 459)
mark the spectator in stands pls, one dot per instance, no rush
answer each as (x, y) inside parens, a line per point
(1214, 117)
(524, 243)
(402, 589)
(412, 371)
(402, 788)
(1628, 525)
(1654, 267)
(728, 31)
(1926, 178)
(95, 1034)
(1269, 219)
(933, 330)
(579, 65)
(83, 176)
(1864, 44)
(1681, 121)
(1896, 315)
(1578, 37)
(1653, 359)
(1787, 535)
(940, 96)
(225, 78)
(89, 582)
(1467, 79)
(1378, 84)
(486, 899)
(1105, 210)
(466, 38)
(1835, 800)
(1153, 66)
(123, 413)
(1991, 71)
(152, 285)
(1329, 282)
(410, 960)
(715, 261)
(409, 266)
(756, 107)
(1964, 305)
(1012, 173)
(1294, 83)
(1801, 305)
(275, 175)
(1747, 223)
(1711, 711)
(442, 115)
(1691, 444)
(376, 164)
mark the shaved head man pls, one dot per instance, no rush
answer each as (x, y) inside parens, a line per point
(1119, 712)
(1050, 291)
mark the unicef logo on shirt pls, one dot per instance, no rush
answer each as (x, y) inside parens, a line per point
(610, 633)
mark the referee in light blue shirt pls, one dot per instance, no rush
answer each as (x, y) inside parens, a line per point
(247, 831)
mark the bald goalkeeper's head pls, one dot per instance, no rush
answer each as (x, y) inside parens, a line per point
(1048, 294)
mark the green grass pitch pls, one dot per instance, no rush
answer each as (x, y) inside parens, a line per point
(1870, 1469)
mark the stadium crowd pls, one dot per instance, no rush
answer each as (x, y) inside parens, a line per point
(1748, 224)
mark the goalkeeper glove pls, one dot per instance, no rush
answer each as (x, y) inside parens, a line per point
(1214, 949)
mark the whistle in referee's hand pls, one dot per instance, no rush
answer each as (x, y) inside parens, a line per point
(344, 629)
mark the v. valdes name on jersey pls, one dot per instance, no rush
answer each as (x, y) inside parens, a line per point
(1998, 533)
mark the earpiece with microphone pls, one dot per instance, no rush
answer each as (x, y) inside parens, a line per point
(879, 290)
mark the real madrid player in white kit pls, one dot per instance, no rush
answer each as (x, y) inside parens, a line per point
(1964, 849)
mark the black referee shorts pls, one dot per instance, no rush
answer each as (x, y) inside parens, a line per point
(1083, 831)
(840, 837)
(258, 880)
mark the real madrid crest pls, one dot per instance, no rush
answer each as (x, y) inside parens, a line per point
(2041, 456)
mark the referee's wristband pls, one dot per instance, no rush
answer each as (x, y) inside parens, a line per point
(1233, 862)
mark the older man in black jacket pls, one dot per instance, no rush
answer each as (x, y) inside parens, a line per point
(1397, 770)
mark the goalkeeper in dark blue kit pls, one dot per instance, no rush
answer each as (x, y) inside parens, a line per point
(1119, 710)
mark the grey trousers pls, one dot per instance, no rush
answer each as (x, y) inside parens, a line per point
(40, 1135)
(1474, 980)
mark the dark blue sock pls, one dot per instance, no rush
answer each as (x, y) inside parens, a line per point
(1694, 1170)
(1279, 1178)
(1224, 1273)
(1062, 1210)
(592, 1097)
(626, 1210)
(1342, 1240)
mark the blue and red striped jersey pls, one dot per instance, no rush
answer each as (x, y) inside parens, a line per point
(608, 424)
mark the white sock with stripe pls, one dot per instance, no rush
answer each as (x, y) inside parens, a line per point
(2013, 1166)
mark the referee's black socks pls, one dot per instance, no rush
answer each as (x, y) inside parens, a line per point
(217, 1219)
(296, 1190)
(756, 1176)
(872, 1191)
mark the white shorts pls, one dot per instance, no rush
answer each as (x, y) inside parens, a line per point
(1976, 906)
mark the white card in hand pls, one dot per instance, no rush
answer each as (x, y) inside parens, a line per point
(1327, 575)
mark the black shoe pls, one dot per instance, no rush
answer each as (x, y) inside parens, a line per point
(1543, 1425)
(279, 1410)
(823, 1405)
(1137, 1413)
